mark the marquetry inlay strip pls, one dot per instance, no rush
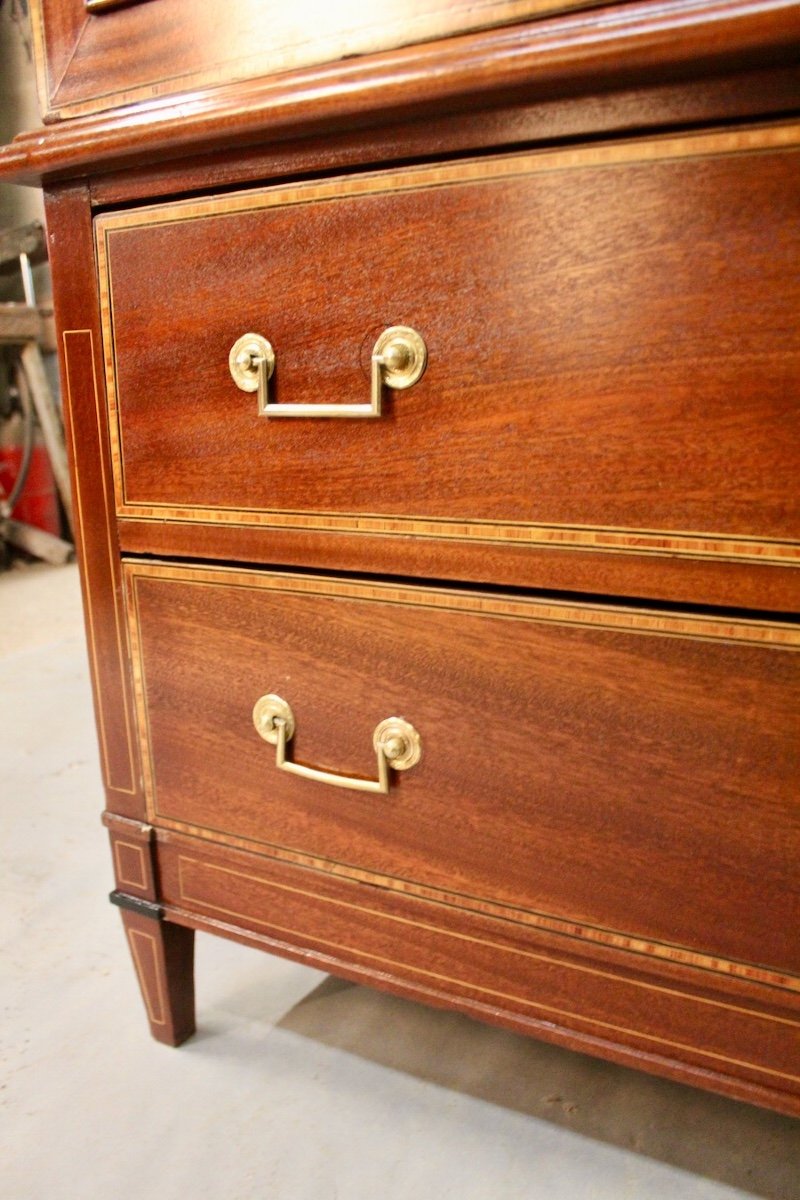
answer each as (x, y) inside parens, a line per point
(600, 616)
(127, 855)
(768, 634)
(658, 543)
(647, 948)
(752, 139)
(491, 994)
(91, 564)
(144, 951)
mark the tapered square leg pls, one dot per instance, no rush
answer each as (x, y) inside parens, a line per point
(162, 953)
(163, 956)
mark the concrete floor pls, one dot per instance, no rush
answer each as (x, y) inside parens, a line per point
(297, 1086)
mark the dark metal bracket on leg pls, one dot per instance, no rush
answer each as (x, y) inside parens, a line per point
(145, 908)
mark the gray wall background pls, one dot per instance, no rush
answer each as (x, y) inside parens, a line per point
(19, 106)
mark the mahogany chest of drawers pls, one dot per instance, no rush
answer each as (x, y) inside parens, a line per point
(434, 427)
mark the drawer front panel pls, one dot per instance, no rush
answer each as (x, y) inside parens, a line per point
(628, 771)
(492, 967)
(612, 333)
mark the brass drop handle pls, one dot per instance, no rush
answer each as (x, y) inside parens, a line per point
(398, 360)
(396, 743)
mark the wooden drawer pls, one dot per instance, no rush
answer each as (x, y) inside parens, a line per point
(625, 775)
(608, 1001)
(613, 351)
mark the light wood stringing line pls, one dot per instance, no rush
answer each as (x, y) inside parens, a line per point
(592, 934)
(139, 695)
(122, 655)
(535, 955)
(150, 942)
(655, 148)
(658, 543)
(603, 617)
(121, 877)
(120, 623)
(39, 55)
(377, 592)
(653, 543)
(302, 936)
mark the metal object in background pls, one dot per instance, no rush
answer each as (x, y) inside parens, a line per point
(24, 330)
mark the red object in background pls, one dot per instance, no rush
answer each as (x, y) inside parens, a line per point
(38, 503)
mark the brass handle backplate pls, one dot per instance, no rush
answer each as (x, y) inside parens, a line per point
(396, 743)
(399, 358)
(252, 362)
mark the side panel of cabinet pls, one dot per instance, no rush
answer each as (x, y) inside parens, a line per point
(75, 295)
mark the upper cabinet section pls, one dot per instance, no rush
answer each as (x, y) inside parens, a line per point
(94, 55)
(165, 80)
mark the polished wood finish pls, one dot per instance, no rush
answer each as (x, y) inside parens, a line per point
(568, 751)
(162, 953)
(86, 425)
(592, 217)
(698, 434)
(585, 54)
(163, 958)
(662, 575)
(133, 856)
(92, 61)
(740, 1038)
(733, 96)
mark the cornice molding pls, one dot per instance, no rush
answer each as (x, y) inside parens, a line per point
(597, 49)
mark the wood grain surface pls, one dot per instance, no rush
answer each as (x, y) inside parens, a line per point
(611, 330)
(592, 218)
(163, 959)
(580, 53)
(686, 1024)
(629, 770)
(725, 97)
(86, 420)
(752, 583)
(133, 855)
(94, 62)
